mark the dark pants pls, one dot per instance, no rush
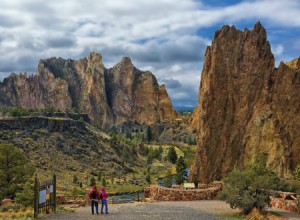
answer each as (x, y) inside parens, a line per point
(104, 203)
(94, 203)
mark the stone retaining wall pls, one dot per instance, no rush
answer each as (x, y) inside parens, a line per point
(287, 201)
(159, 193)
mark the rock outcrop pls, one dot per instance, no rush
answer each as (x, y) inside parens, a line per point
(109, 96)
(246, 106)
(135, 95)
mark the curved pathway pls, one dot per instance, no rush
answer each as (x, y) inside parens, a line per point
(190, 210)
(140, 211)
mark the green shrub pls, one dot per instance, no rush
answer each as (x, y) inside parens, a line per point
(92, 181)
(249, 188)
(172, 155)
(297, 173)
(295, 186)
(26, 196)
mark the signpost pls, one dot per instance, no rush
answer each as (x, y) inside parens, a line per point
(44, 196)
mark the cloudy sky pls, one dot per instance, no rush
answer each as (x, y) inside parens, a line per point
(167, 37)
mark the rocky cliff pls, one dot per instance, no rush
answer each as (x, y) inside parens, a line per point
(109, 96)
(135, 95)
(246, 106)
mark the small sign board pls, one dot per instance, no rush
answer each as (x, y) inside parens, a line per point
(189, 185)
(42, 196)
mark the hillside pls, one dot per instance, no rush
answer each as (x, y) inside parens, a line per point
(66, 144)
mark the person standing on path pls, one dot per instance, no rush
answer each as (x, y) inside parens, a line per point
(94, 197)
(103, 197)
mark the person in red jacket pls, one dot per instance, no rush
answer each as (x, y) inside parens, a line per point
(94, 197)
(103, 197)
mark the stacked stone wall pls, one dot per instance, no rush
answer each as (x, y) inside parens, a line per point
(159, 193)
(287, 201)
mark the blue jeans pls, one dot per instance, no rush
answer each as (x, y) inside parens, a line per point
(94, 203)
(104, 203)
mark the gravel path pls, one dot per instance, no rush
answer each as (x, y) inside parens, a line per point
(200, 210)
(190, 210)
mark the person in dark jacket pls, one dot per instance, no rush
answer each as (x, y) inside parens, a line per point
(94, 197)
(103, 197)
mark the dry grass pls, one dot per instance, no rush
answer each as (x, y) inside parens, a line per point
(10, 212)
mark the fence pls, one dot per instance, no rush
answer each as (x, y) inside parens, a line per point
(44, 196)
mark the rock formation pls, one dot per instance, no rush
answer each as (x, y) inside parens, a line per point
(246, 106)
(135, 95)
(109, 96)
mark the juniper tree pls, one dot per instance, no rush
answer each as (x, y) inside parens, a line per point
(15, 170)
(75, 179)
(181, 171)
(92, 181)
(149, 134)
(249, 188)
(172, 156)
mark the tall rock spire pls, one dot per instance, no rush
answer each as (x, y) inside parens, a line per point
(238, 116)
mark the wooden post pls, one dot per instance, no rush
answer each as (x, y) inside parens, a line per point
(54, 192)
(36, 196)
(138, 196)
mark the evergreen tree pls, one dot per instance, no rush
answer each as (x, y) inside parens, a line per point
(112, 180)
(14, 170)
(181, 171)
(99, 176)
(160, 152)
(250, 188)
(172, 156)
(103, 181)
(92, 181)
(148, 178)
(297, 173)
(149, 158)
(149, 134)
(168, 181)
(75, 179)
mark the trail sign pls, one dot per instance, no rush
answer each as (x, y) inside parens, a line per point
(44, 196)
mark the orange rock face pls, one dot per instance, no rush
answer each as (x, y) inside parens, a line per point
(135, 95)
(246, 106)
(109, 96)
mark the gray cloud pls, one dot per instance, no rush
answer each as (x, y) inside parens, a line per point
(21, 63)
(9, 22)
(184, 49)
(172, 83)
(63, 42)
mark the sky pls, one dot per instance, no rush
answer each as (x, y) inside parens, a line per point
(166, 37)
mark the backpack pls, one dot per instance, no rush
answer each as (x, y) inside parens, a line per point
(94, 195)
(101, 196)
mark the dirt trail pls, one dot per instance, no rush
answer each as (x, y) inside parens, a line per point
(190, 210)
